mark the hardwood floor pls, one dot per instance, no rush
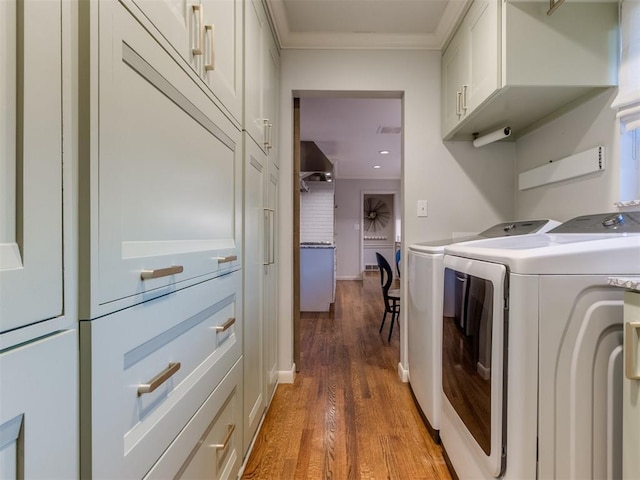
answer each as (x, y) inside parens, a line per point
(347, 415)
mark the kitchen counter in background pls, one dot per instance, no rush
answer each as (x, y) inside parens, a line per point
(317, 276)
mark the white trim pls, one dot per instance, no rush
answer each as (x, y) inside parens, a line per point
(403, 373)
(286, 376)
(349, 277)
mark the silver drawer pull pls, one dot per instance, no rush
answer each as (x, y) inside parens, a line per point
(159, 379)
(197, 50)
(212, 48)
(226, 325)
(161, 272)
(227, 439)
(227, 259)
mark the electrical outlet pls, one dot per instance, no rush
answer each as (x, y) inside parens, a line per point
(422, 208)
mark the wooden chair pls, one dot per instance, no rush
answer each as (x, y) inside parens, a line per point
(391, 297)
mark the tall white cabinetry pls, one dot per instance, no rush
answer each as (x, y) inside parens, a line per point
(262, 67)
(260, 285)
(506, 63)
(38, 334)
(161, 241)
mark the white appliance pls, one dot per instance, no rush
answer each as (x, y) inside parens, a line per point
(631, 382)
(425, 310)
(533, 388)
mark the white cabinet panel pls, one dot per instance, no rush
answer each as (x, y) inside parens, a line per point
(223, 46)
(181, 344)
(180, 22)
(270, 288)
(254, 401)
(166, 173)
(207, 34)
(30, 163)
(39, 409)
(262, 70)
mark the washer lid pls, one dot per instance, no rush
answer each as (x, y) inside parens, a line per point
(505, 229)
(558, 253)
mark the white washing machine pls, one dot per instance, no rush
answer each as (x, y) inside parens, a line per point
(533, 387)
(425, 310)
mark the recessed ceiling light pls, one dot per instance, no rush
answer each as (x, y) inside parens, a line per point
(384, 152)
(376, 166)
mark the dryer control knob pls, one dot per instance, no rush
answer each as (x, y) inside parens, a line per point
(508, 228)
(613, 221)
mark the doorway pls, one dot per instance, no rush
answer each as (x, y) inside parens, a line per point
(361, 135)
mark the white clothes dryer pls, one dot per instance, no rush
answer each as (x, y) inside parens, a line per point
(425, 310)
(533, 388)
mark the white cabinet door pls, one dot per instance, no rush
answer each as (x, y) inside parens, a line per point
(181, 23)
(270, 288)
(482, 36)
(166, 173)
(254, 402)
(222, 55)
(254, 113)
(39, 409)
(454, 62)
(31, 286)
(271, 86)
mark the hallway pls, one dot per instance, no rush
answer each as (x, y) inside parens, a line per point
(347, 415)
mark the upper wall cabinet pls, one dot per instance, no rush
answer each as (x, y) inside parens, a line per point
(31, 223)
(161, 172)
(262, 67)
(208, 35)
(510, 64)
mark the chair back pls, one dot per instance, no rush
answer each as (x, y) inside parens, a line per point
(398, 262)
(386, 274)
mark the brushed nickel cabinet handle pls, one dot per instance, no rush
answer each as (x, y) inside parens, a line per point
(159, 379)
(266, 125)
(197, 50)
(458, 103)
(226, 325)
(463, 105)
(227, 259)
(227, 439)
(631, 336)
(212, 54)
(161, 272)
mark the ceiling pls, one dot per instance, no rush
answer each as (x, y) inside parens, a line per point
(347, 130)
(351, 132)
(388, 24)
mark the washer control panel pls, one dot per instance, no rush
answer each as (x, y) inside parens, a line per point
(618, 222)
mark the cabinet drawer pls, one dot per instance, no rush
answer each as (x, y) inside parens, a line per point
(210, 445)
(180, 347)
(166, 173)
(39, 409)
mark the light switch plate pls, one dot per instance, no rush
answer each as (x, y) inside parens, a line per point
(422, 208)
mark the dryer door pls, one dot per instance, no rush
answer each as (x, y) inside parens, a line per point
(473, 373)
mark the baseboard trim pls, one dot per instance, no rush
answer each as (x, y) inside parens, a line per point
(350, 277)
(286, 376)
(403, 373)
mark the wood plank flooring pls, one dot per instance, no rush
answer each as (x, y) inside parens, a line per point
(347, 415)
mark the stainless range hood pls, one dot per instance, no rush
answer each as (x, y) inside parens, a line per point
(314, 165)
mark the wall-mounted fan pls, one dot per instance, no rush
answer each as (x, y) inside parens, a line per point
(376, 214)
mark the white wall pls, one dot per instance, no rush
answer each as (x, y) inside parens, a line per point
(467, 189)
(592, 123)
(348, 215)
(317, 212)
